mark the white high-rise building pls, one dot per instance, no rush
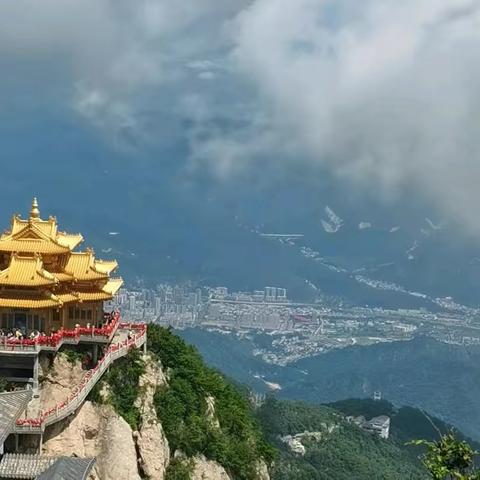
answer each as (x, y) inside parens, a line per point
(281, 294)
(221, 292)
(158, 305)
(270, 294)
(131, 302)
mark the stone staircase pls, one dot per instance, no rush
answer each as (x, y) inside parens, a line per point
(77, 397)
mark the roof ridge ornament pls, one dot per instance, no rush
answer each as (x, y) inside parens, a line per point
(34, 212)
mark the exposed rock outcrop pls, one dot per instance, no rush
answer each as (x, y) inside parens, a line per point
(204, 469)
(210, 413)
(262, 471)
(96, 431)
(152, 445)
(59, 380)
(58, 377)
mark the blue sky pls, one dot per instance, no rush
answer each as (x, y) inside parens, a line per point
(382, 95)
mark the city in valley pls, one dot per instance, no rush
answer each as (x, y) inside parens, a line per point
(294, 330)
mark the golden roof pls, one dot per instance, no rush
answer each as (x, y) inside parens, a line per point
(69, 240)
(113, 286)
(83, 266)
(105, 293)
(42, 263)
(64, 277)
(105, 266)
(34, 301)
(37, 236)
(26, 271)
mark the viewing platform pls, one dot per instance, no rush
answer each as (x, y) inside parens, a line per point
(128, 336)
(52, 343)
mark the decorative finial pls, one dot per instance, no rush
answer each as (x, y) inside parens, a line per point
(34, 212)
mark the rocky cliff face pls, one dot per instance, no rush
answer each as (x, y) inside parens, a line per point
(152, 445)
(57, 375)
(98, 431)
(204, 469)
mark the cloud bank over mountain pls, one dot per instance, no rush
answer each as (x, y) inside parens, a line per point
(382, 93)
(385, 93)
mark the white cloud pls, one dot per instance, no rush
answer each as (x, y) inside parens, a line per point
(116, 52)
(385, 93)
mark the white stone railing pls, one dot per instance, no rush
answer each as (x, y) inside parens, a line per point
(78, 396)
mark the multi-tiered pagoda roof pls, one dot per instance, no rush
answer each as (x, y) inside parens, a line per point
(39, 267)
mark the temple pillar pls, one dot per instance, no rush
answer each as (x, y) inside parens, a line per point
(95, 354)
(35, 375)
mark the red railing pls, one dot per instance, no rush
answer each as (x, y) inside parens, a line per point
(75, 399)
(57, 338)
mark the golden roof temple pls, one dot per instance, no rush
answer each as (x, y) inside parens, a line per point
(45, 284)
(52, 296)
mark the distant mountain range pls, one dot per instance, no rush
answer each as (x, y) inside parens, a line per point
(439, 378)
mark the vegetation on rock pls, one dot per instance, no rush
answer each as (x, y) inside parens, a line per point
(72, 355)
(123, 382)
(179, 469)
(232, 438)
(342, 450)
(449, 459)
(406, 423)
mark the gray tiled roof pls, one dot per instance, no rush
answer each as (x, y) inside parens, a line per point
(12, 404)
(68, 468)
(16, 465)
(39, 467)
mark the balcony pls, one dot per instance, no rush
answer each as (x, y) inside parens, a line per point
(129, 336)
(52, 343)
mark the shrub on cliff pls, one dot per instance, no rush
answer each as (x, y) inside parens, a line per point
(233, 437)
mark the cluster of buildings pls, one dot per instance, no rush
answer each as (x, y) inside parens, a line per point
(296, 330)
(184, 305)
(377, 425)
(177, 305)
(268, 295)
(295, 442)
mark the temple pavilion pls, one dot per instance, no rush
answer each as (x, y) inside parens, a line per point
(47, 283)
(52, 296)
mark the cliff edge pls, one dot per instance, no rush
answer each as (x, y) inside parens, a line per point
(151, 417)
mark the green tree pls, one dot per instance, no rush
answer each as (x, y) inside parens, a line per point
(232, 437)
(449, 459)
(123, 381)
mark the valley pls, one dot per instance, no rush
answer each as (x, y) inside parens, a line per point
(438, 377)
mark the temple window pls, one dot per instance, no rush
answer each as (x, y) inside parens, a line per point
(7, 321)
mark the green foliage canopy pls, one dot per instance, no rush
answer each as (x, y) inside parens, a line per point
(232, 437)
(449, 459)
